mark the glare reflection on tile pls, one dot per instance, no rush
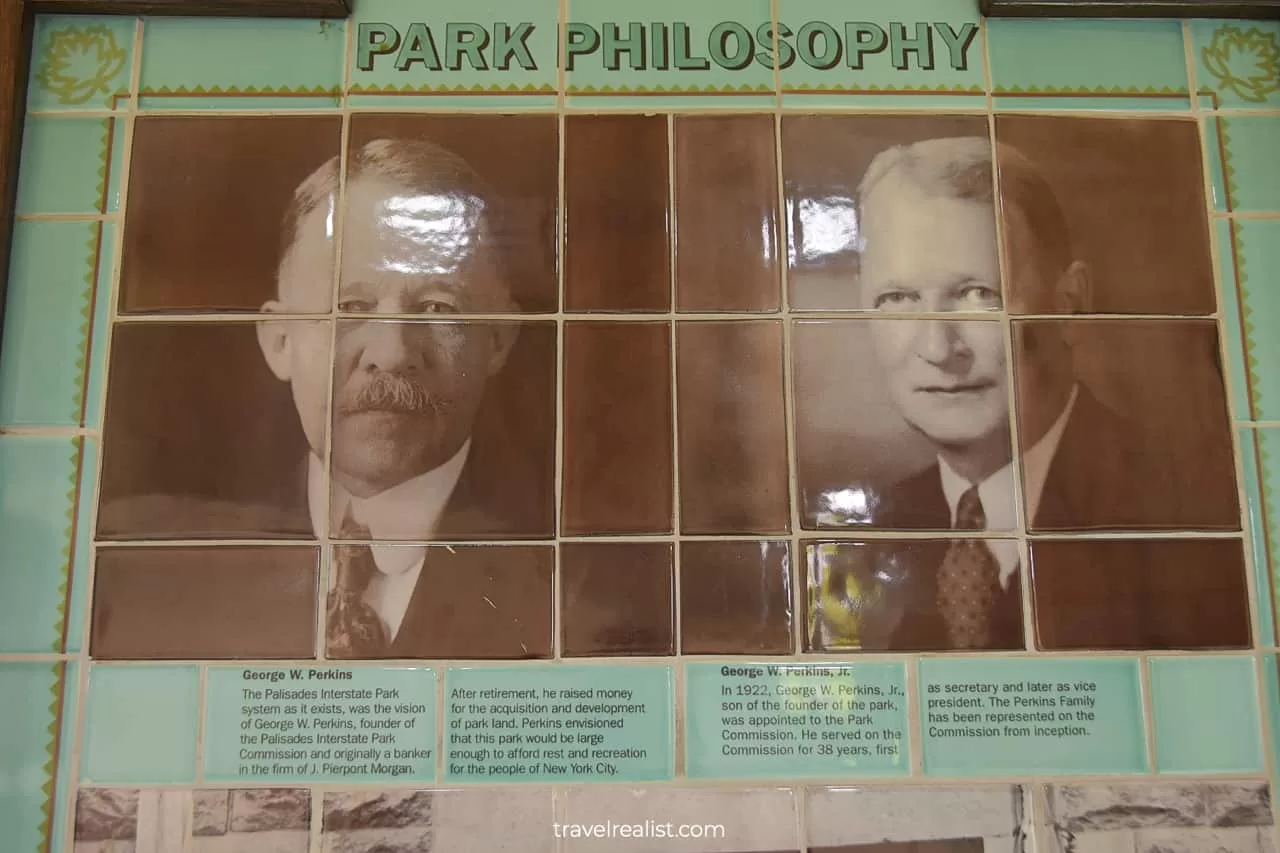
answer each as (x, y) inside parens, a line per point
(735, 598)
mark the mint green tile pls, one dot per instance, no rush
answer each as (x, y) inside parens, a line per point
(80, 62)
(1215, 162)
(912, 53)
(509, 51)
(761, 720)
(1239, 61)
(95, 345)
(1271, 691)
(32, 697)
(65, 782)
(78, 596)
(559, 723)
(1232, 320)
(1252, 144)
(140, 725)
(70, 165)
(1257, 254)
(1264, 512)
(393, 708)
(1205, 713)
(1253, 458)
(58, 280)
(278, 63)
(996, 717)
(1088, 64)
(614, 58)
(43, 537)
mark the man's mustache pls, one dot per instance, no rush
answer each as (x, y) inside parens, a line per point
(389, 392)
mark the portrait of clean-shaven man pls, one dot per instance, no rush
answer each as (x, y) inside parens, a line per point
(414, 414)
(1121, 425)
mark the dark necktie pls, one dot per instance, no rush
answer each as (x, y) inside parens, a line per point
(354, 628)
(969, 580)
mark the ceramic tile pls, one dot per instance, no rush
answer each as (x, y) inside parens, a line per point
(508, 819)
(1237, 62)
(397, 57)
(213, 602)
(46, 490)
(869, 819)
(1127, 65)
(726, 214)
(704, 55)
(208, 442)
(1249, 144)
(65, 781)
(617, 428)
(616, 219)
(752, 820)
(279, 63)
(80, 62)
(868, 442)
(735, 598)
(33, 695)
(51, 366)
(1215, 161)
(892, 596)
(917, 53)
(1206, 715)
(1139, 415)
(1256, 253)
(141, 725)
(459, 416)
(1148, 255)
(1271, 696)
(733, 442)
(1258, 514)
(1140, 594)
(836, 225)
(617, 598)
(267, 820)
(70, 165)
(1232, 320)
(508, 163)
(176, 254)
(499, 603)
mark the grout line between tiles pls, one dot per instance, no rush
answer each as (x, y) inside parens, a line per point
(673, 354)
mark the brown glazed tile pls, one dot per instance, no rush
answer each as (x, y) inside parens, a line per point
(1140, 594)
(617, 598)
(733, 432)
(726, 214)
(454, 418)
(201, 440)
(1146, 442)
(1104, 216)
(208, 197)
(735, 598)
(617, 428)
(222, 602)
(825, 160)
(883, 596)
(877, 420)
(504, 168)
(476, 601)
(617, 257)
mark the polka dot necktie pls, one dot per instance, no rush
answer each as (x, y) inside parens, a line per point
(968, 580)
(354, 628)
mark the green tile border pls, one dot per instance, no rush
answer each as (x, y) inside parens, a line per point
(1258, 506)
(1212, 55)
(61, 87)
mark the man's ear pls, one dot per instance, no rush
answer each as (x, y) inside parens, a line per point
(1074, 291)
(273, 339)
(503, 336)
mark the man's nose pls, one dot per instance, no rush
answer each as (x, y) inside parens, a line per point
(389, 346)
(939, 342)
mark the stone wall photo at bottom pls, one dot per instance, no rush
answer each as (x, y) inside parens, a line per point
(236, 820)
(515, 820)
(1219, 817)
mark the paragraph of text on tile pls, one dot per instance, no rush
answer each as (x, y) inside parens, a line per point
(1018, 716)
(794, 720)
(575, 723)
(278, 724)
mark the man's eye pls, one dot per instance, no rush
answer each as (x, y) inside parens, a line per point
(896, 300)
(356, 306)
(979, 296)
(434, 306)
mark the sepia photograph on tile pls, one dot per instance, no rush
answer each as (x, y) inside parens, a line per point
(517, 820)
(975, 819)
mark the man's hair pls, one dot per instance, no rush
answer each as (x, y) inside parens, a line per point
(960, 168)
(420, 167)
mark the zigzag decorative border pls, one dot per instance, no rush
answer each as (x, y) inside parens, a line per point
(1269, 516)
(726, 89)
(238, 91)
(52, 750)
(458, 89)
(806, 88)
(1096, 91)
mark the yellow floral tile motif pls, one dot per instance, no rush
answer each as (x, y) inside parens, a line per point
(1244, 61)
(80, 62)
